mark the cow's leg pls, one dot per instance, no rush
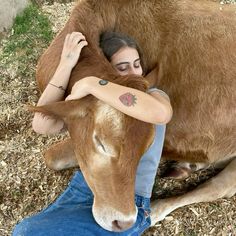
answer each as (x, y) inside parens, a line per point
(182, 170)
(186, 163)
(222, 185)
(61, 156)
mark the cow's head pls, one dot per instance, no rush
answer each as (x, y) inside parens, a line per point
(108, 146)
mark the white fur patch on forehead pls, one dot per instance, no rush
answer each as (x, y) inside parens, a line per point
(105, 114)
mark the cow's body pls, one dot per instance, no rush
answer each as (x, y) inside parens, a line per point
(193, 45)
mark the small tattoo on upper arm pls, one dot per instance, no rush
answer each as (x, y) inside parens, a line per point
(128, 99)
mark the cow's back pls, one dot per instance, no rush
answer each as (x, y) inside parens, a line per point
(194, 45)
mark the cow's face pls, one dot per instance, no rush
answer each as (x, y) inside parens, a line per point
(108, 146)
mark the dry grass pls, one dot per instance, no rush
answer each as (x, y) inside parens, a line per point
(26, 185)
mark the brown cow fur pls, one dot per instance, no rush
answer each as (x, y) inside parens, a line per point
(191, 45)
(127, 142)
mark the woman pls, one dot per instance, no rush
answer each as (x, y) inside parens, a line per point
(71, 213)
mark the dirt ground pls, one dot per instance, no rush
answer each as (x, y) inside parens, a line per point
(27, 186)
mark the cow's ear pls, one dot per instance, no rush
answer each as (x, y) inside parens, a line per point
(63, 109)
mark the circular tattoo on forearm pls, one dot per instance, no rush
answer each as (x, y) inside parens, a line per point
(103, 82)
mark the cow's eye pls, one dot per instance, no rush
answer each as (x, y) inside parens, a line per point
(103, 147)
(99, 143)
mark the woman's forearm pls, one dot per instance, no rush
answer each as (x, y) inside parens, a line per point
(55, 90)
(132, 102)
(52, 93)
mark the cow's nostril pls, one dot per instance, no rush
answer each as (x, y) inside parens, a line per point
(118, 225)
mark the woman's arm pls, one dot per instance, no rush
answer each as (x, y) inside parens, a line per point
(151, 108)
(56, 88)
(45, 124)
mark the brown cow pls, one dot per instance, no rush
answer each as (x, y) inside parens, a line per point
(191, 45)
(104, 142)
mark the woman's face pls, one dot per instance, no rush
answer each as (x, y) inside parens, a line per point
(126, 61)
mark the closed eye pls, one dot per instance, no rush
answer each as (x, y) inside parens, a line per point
(99, 143)
(104, 148)
(122, 68)
(137, 63)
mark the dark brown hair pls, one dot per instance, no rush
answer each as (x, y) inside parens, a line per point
(111, 42)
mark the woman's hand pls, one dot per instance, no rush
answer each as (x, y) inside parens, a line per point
(72, 47)
(82, 88)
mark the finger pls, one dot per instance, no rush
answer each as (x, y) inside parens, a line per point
(78, 39)
(74, 33)
(69, 97)
(72, 36)
(77, 35)
(82, 44)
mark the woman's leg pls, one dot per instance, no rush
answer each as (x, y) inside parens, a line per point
(75, 221)
(76, 194)
(71, 214)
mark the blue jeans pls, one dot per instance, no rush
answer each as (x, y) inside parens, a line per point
(71, 214)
